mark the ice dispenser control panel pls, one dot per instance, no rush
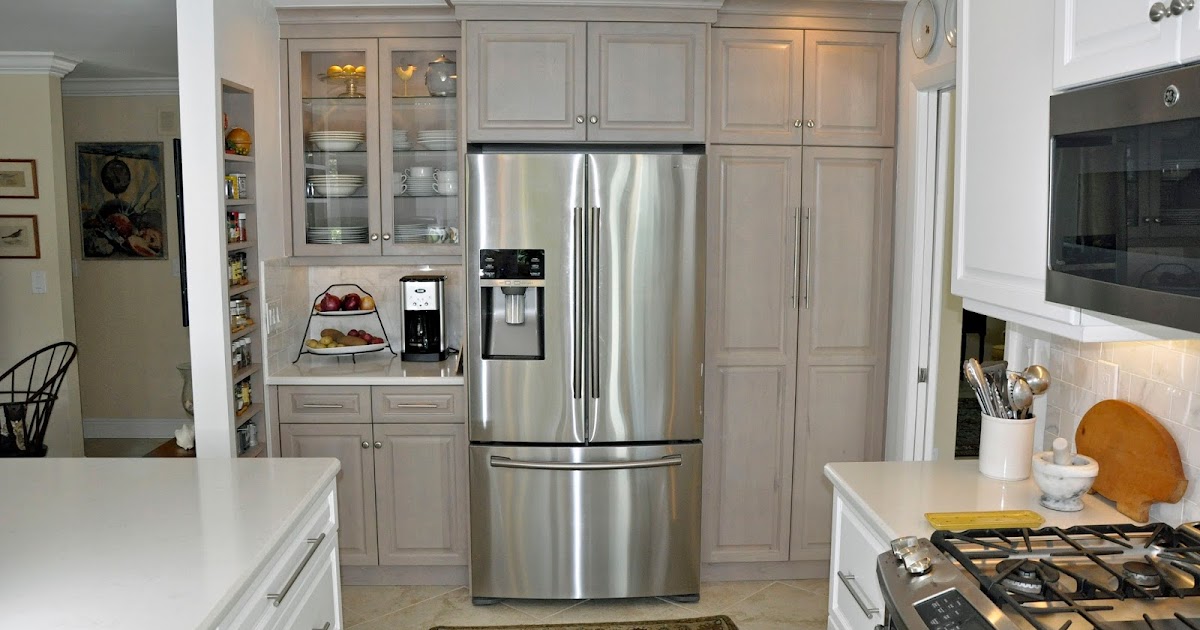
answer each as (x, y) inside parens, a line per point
(512, 264)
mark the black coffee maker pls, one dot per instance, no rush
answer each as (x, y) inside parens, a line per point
(424, 321)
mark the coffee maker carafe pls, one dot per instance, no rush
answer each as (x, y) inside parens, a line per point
(424, 322)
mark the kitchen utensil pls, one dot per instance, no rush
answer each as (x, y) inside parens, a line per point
(441, 78)
(1063, 485)
(1062, 454)
(959, 521)
(1038, 378)
(1020, 396)
(1005, 447)
(1139, 460)
(975, 378)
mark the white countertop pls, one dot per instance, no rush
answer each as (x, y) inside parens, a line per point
(141, 543)
(376, 369)
(895, 496)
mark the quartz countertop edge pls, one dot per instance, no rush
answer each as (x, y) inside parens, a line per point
(318, 370)
(895, 496)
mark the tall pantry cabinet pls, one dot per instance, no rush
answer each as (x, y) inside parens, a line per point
(801, 178)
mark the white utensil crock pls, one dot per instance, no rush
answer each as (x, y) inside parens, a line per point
(1006, 447)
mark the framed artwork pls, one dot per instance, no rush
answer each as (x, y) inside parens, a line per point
(19, 236)
(18, 179)
(121, 200)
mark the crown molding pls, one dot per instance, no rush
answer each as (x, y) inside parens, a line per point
(157, 86)
(29, 62)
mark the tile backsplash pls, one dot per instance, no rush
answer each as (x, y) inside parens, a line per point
(1162, 377)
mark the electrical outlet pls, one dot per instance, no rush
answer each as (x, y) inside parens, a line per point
(1104, 380)
(274, 315)
(39, 282)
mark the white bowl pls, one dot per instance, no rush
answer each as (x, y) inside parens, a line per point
(1063, 486)
(336, 190)
(336, 145)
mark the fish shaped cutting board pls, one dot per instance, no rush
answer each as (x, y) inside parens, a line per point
(1139, 460)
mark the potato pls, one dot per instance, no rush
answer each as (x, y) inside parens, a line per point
(333, 333)
(352, 341)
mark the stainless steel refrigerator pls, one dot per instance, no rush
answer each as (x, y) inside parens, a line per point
(585, 349)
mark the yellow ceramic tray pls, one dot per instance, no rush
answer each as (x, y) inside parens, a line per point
(958, 521)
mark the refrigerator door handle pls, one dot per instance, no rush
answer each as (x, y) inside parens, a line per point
(497, 461)
(593, 330)
(577, 303)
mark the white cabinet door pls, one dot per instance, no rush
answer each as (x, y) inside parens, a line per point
(1189, 37)
(646, 82)
(1097, 40)
(855, 600)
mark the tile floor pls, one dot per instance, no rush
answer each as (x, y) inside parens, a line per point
(785, 605)
(119, 447)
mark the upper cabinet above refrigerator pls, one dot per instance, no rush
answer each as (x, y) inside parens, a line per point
(594, 81)
(375, 147)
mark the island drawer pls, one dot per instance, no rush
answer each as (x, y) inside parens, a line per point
(324, 404)
(418, 403)
(855, 600)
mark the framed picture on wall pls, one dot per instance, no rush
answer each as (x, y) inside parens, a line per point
(18, 179)
(121, 204)
(19, 236)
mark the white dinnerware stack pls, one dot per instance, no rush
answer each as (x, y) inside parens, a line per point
(400, 140)
(335, 185)
(333, 235)
(413, 230)
(438, 139)
(418, 181)
(445, 183)
(336, 140)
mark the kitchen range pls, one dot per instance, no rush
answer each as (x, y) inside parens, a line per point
(1122, 576)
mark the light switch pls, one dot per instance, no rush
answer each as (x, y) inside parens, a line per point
(39, 282)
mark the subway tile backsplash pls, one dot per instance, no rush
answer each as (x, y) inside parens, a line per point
(1162, 377)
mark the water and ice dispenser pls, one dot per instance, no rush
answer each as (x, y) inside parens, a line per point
(512, 285)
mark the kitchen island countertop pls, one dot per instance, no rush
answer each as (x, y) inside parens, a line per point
(895, 496)
(376, 369)
(143, 543)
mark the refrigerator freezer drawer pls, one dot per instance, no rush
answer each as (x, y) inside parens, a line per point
(585, 521)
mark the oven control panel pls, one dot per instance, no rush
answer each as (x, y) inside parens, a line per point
(951, 611)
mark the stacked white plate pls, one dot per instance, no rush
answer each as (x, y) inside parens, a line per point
(438, 139)
(336, 140)
(336, 235)
(335, 185)
(414, 230)
(420, 187)
(400, 140)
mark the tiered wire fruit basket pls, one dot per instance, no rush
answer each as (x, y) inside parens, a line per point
(341, 347)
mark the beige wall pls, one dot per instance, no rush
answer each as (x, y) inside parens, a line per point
(130, 328)
(31, 127)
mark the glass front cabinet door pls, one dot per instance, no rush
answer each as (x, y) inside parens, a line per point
(374, 140)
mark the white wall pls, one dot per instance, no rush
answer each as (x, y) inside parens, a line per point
(912, 237)
(31, 111)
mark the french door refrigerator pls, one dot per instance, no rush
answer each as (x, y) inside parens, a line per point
(585, 347)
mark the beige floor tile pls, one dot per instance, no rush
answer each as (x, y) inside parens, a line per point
(452, 609)
(364, 603)
(541, 608)
(639, 609)
(820, 587)
(715, 597)
(780, 607)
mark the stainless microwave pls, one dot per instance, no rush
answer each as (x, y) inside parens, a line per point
(1125, 198)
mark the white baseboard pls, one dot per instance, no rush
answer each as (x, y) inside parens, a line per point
(132, 427)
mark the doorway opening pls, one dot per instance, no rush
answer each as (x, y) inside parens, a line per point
(982, 339)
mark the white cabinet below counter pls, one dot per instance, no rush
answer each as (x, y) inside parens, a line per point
(875, 502)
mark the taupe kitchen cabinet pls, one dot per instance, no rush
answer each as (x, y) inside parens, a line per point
(354, 137)
(783, 86)
(403, 485)
(799, 244)
(596, 81)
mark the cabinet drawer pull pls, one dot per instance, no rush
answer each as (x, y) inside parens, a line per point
(415, 406)
(322, 406)
(314, 543)
(579, 119)
(328, 624)
(859, 598)
(1158, 11)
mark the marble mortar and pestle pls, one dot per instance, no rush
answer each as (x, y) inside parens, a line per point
(1063, 477)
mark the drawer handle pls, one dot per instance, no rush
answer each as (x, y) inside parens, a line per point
(277, 598)
(322, 406)
(327, 625)
(498, 461)
(859, 598)
(415, 406)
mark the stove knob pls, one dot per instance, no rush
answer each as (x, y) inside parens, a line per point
(902, 546)
(917, 563)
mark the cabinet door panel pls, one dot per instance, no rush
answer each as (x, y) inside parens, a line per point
(646, 82)
(850, 88)
(422, 494)
(1101, 39)
(356, 481)
(527, 81)
(757, 86)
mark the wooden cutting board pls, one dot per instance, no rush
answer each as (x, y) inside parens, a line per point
(1139, 460)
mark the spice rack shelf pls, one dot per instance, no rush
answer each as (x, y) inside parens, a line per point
(233, 157)
(239, 202)
(238, 334)
(238, 289)
(246, 372)
(239, 245)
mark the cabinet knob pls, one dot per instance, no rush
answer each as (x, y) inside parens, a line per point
(1179, 6)
(366, 444)
(593, 120)
(579, 119)
(1158, 11)
(387, 237)
(1157, 220)
(379, 445)
(810, 124)
(799, 123)
(374, 237)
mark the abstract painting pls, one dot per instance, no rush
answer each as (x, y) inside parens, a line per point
(121, 201)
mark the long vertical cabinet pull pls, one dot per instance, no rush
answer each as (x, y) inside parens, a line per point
(594, 269)
(808, 230)
(796, 260)
(577, 303)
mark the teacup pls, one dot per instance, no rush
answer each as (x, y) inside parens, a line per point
(446, 176)
(436, 234)
(401, 189)
(445, 188)
(420, 172)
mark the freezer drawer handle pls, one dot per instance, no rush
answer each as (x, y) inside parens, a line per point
(859, 598)
(314, 543)
(504, 462)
